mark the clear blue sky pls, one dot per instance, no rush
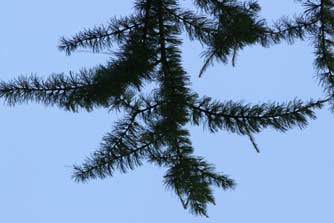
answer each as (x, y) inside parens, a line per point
(290, 181)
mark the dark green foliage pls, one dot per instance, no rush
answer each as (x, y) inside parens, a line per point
(148, 50)
(241, 119)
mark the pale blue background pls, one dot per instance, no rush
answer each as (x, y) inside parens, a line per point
(290, 181)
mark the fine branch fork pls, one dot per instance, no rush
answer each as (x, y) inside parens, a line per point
(148, 50)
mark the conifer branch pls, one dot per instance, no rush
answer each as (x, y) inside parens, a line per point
(148, 49)
(288, 30)
(85, 89)
(191, 178)
(125, 148)
(197, 27)
(114, 156)
(69, 92)
(246, 119)
(146, 20)
(101, 37)
(324, 48)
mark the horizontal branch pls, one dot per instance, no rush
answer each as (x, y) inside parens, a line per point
(247, 119)
(265, 116)
(69, 92)
(289, 31)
